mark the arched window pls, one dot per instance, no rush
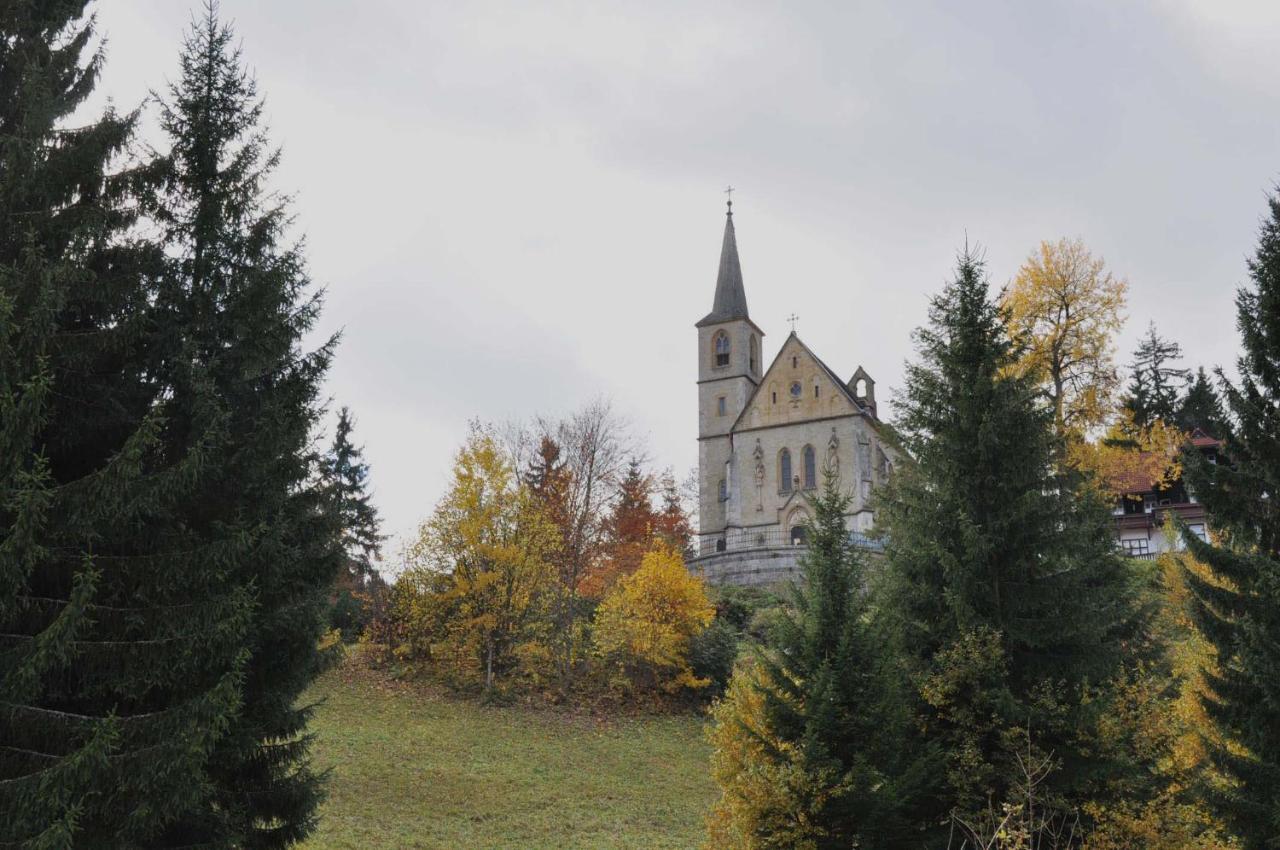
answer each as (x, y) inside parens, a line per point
(721, 348)
(753, 351)
(784, 471)
(810, 468)
(799, 534)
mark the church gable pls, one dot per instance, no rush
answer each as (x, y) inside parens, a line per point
(796, 388)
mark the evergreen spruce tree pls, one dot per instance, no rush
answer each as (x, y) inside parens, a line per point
(629, 530)
(673, 524)
(1240, 613)
(823, 687)
(548, 478)
(120, 661)
(632, 518)
(347, 477)
(1201, 407)
(1003, 593)
(1154, 385)
(241, 301)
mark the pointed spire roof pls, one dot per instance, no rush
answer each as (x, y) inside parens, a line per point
(731, 298)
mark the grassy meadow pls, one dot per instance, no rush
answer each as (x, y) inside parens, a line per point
(412, 768)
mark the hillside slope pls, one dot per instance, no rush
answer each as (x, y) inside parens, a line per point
(415, 769)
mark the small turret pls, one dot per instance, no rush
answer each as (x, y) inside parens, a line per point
(863, 389)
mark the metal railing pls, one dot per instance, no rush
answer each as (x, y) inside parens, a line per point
(773, 538)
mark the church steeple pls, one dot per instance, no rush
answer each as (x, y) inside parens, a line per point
(729, 346)
(731, 298)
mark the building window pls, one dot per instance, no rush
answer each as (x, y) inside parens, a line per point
(721, 347)
(775, 397)
(799, 534)
(795, 362)
(720, 544)
(815, 390)
(810, 468)
(753, 351)
(720, 406)
(784, 471)
(724, 491)
(1199, 531)
(796, 389)
(1135, 548)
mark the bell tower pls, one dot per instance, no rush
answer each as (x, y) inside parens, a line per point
(729, 368)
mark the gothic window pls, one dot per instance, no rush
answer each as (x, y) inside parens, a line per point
(754, 352)
(815, 390)
(775, 397)
(721, 346)
(810, 468)
(784, 471)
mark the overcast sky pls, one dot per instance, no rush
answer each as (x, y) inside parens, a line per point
(517, 208)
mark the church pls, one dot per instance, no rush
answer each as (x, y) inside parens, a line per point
(766, 437)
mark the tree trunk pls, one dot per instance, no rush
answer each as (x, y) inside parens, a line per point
(488, 667)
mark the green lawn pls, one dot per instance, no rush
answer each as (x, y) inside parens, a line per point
(414, 769)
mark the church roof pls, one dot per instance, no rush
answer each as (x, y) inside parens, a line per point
(731, 298)
(831, 374)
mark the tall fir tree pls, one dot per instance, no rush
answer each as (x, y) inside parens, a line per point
(824, 693)
(632, 518)
(548, 478)
(1154, 384)
(242, 301)
(347, 478)
(1239, 610)
(1201, 407)
(672, 520)
(628, 528)
(120, 661)
(1002, 593)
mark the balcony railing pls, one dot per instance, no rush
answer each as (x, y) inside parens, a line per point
(743, 539)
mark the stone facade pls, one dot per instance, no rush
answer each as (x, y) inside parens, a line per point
(765, 440)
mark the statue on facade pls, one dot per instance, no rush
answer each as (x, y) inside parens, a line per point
(759, 456)
(833, 454)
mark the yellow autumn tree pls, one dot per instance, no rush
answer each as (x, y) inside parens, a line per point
(1158, 714)
(1128, 459)
(645, 624)
(1064, 308)
(767, 796)
(475, 595)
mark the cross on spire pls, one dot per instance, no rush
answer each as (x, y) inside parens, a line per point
(793, 318)
(729, 191)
